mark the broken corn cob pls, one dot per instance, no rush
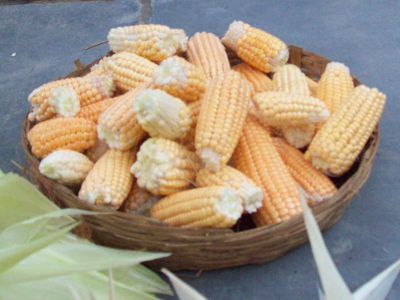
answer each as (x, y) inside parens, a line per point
(66, 96)
(258, 79)
(290, 79)
(61, 133)
(230, 177)
(128, 70)
(222, 115)
(152, 41)
(256, 47)
(206, 51)
(299, 136)
(97, 150)
(282, 109)
(213, 206)
(118, 126)
(317, 186)
(335, 84)
(66, 166)
(180, 78)
(257, 157)
(93, 111)
(161, 114)
(110, 181)
(341, 139)
(139, 201)
(164, 167)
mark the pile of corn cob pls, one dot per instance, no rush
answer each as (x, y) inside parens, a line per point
(167, 127)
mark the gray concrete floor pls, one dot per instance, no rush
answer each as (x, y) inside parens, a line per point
(47, 38)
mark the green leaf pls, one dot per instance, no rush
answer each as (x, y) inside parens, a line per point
(183, 290)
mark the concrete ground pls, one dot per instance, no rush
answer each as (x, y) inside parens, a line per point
(39, 42)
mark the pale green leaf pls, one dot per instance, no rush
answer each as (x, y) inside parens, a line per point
(183, 290)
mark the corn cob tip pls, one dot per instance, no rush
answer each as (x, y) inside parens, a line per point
(229, 204)
(279, 60)
(235, 31)
(321, 117)
(337, 68)
(170, 70)
(253, 197)
(104, 83)
(210, 159)
(64, 101)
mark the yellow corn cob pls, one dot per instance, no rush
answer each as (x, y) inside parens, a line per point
(152, 41)
(313, 86)
(97, 150)
(256, 47)
(206, 51)
(213, 206)
(93, 111)
(66, 166)
(230, 177)
(128, 70)
(118, 126)
(161, 114)
(316, 185)
(289, 79)
(164, 167)
(340, 140)
(282, 109)
(222, 114)
(188, 139)
(298, 136)
(258, 79)
(61, 133)
(139, 201)
(257, 157)
(110, 181)
(180, 78)
(335, 84)
(66, 96)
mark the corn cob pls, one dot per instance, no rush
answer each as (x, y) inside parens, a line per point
(66, 96)
(256, 47)
(298, 136)
(128, 70)
(230, 177)
(61, 133)
(154, 42)
(289, 79)
(222, 115)
(97, 150)
(188, 139)
(340, 140)
(93, 111)
(335, 84)
(259, 81)
(257, 157)
(282, 109)
(206, 51)
(118, 126)
(66, 166)
(161, 114)
(313, 86)
(316, 185)
(214, 206)
(180, 78)
(139, 201)
(110, 181)
(164, 167)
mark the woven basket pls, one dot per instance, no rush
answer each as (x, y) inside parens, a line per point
(206, 249)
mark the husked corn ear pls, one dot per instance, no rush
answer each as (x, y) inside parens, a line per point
(66, 166)
(299, 136)
(93, 111)
(161, 114)
(206, 51)
(97, 150)
(316, 185)
(139, 201)
(152, 41)
(118, 126)
(188, 139)
(259, 80)
(227, 176)
(110, 181)
(222, 114)
(164, 167)
(257, 157)
(335, 84)
(61, 133)
(290, 79)
(340, 140)
(66, 96)
(212, 206)
(313, 86)
(128, 70)
(180, 78)
(282, 109)
(256, 47)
